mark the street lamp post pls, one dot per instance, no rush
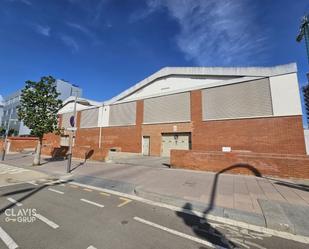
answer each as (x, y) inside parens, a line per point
(72, 135)
(6, 136)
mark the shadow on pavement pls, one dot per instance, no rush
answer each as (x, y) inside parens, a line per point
(302, 187)
(206, 231)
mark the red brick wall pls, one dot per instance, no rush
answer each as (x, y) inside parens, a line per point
(243, 163)
(125, 138)
(155, 131)
(283, 135)
(18, 144)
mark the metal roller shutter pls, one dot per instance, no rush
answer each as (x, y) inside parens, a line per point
(89, 118)
(170, 108)
(243, 100)
(122, 114)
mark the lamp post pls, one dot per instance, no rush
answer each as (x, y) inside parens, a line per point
(72, 135)
(6, 136)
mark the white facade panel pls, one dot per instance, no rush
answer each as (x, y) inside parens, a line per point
(104, 120)
(174, 83)
(285, 95)
(65, 122)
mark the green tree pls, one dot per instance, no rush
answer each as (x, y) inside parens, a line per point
(38, 109)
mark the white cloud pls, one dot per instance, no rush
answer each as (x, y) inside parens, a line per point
(70, 42)
(1, 99)
(43, 30)
(215, 32)
(81, 28)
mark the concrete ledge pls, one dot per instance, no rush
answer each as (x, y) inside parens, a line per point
(251, 218)
(114, 155)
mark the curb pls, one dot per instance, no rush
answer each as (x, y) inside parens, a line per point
(233, 214)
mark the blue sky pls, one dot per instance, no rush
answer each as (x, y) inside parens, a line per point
(105, 46)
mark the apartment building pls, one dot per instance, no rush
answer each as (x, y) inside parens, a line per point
(11, 103)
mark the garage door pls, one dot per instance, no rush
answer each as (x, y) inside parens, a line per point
(179, 141)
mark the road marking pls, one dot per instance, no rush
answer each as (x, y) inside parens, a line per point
(88, 190)
(126, 201)
(93, 203)
(105, 194)
(10, 243)
(47, 221)
(56, 191)
(73, 186)
(285, 235)
(14, 201)
(180, 234)
(91, 247)
(33, 183)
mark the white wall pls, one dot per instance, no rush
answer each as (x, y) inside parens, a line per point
(104, 119)
(173, 83)
(70, 107)
(285, 95)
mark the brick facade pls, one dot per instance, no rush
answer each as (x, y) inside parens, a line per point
(154, 131)
(259, 164)
(276, 144)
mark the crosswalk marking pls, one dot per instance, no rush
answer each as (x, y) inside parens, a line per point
(6, 169)
(8, 241)
(56, 191)
(47, 221)
(14, 201)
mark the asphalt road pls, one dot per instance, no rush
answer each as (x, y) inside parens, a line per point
(65, 215)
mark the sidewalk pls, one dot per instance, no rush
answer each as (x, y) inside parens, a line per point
(14, 175)
(278, 204)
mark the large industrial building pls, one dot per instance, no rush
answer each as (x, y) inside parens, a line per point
(245, 109)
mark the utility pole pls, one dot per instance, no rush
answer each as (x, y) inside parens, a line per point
(6, 137)
(72, 136)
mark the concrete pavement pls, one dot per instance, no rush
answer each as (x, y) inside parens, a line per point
(73, 216)
(261, 201)
(12, 175)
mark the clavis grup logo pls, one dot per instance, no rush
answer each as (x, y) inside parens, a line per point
(23, 215)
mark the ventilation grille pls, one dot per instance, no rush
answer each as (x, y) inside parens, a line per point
(122, 114)
(89, 118)
(170, 108)
(242, 100)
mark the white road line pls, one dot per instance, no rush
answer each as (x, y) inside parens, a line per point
(47, 221)
(14, 201)
(56, 191)
(260, 229)
(180, 234)
(10, 243)
(93, 203)
(91, 247)
(33, 183)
